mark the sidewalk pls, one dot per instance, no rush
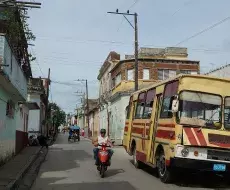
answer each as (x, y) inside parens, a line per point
(14, 170)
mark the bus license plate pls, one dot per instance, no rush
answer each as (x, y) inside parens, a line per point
(219, 167)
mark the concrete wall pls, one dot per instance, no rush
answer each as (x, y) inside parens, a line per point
(21, 118)
(103, 118)
(34, 122)
(96, 123)
(14, 71)
(117, 119)
(7, 128)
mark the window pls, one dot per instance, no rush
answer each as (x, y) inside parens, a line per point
(146, 74)
(140, 106)
(10, 109)
(170, 91)
(117, 79)
(130, 74)
(185, 71)
(227, 113)
(200, 109)
(113, 82)
(149, 104)
(164, 74)
(193, 72)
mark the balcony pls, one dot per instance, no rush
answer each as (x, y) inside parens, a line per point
(12, 77)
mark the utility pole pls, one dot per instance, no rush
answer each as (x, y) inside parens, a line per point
(47, 105)
(87, 101)
(135, 27)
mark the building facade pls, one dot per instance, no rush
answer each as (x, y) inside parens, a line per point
(13, 94)
(105, 86)
(154, 64)
(37, 93)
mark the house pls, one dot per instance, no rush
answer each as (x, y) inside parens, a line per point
(154, 64)
(105, 86)
(93, 117)
(14, 74)
(37, 93)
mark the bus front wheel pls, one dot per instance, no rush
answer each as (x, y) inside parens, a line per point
(165, 173)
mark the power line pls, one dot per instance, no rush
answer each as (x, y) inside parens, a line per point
(36, 61)
(130, 44)
(203, 31)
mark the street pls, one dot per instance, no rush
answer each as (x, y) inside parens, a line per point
(70, 165)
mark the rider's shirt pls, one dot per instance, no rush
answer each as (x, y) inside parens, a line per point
(102, 140)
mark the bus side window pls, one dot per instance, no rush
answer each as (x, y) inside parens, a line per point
(149, 104)
(169, 92)
(140, 106)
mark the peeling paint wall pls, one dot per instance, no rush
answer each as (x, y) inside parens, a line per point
(7, 128)
(117, 119)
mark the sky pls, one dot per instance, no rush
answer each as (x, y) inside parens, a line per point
(74, 37)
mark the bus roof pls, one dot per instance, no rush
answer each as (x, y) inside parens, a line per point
(178, 77)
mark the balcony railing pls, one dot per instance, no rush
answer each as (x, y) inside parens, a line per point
(10, 67)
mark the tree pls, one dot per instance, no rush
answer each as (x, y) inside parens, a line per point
(59, 115)
(18, 28)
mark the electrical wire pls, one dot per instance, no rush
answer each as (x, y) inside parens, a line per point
(204, 30)
(36, 61)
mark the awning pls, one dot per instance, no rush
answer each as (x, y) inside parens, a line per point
(31, 105)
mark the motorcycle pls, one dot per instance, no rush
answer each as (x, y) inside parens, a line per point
(103, 156)
(75, 137)
(33, 141)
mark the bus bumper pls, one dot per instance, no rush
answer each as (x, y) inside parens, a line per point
(199, 165)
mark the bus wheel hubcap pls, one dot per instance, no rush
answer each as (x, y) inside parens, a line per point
(162, 165)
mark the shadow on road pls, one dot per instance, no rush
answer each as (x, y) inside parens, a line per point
(65, 159)
(113, 172)
(194, 180)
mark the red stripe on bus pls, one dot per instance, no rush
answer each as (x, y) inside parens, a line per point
(164, 134)
(190, 136)
(169, 125)
(200, 136)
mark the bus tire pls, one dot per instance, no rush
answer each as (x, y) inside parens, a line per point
(136, 162)
(165, 173)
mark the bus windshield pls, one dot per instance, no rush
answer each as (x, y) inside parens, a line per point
(200, 109)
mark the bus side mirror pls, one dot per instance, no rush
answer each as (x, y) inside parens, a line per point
(175, 104)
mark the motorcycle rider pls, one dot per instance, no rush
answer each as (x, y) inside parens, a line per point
(102, 139)
(70, 133)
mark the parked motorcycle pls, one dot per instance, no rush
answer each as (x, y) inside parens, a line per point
(33, 141)
(103, 156)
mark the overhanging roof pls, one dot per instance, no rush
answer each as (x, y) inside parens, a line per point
(32, 105)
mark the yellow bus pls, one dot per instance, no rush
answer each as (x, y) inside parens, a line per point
(183, 123)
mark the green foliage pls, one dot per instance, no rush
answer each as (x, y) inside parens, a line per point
(59, 115)
(18, 28)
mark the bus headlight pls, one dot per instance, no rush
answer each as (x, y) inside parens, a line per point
(185, 152)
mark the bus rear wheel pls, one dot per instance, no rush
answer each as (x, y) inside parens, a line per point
(136, 162)
(165, 173)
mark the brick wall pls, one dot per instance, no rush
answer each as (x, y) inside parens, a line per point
(154, 66)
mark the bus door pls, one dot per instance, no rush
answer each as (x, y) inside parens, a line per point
(133, 109)
(155, 124)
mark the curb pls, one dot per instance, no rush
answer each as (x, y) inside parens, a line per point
(14, 184)
(29, 178)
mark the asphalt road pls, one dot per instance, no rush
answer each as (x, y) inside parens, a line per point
(71, 166)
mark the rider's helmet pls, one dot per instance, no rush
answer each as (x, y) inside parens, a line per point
(103, 131)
